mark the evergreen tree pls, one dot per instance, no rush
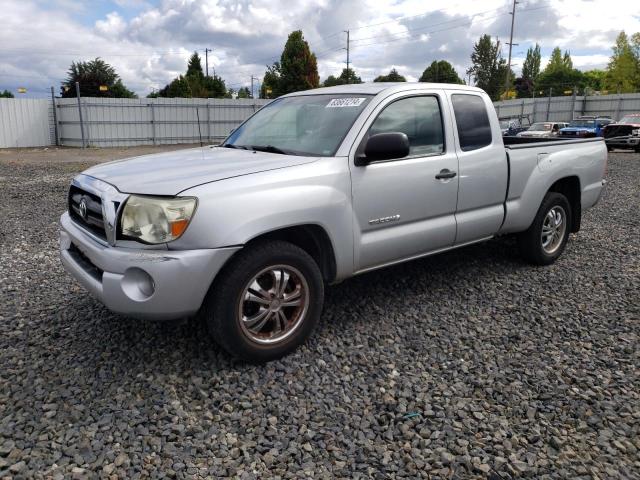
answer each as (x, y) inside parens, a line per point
(6, 94)
(194, 67)
(194, 84)
(440, 71)
(623, 72)
(488, 67)
(393, 76)
(346, 77)
(298, 66)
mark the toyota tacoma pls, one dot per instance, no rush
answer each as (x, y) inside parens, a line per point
(314, 188)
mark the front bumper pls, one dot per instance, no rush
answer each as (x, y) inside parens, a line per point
(623, 142)
(141, 283)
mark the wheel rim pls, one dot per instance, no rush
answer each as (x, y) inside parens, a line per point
(554, 227)
(273, 304)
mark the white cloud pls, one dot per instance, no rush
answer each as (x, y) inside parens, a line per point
(149, 44)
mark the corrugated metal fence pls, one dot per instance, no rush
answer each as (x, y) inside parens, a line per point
(110, 122)
(26, 123)
(564, 109)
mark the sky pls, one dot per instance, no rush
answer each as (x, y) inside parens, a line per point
(149, 42)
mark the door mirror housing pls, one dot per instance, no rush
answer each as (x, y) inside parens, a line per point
(384, 146)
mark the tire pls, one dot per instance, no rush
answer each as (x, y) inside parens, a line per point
(531, 242)
(609, 149)
(262, 327)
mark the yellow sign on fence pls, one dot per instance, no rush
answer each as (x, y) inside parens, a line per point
(103, 88)
(22, 90)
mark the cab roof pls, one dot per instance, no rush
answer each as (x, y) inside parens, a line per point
(374, 88)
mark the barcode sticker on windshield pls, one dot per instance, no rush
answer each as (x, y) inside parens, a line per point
(345, 102)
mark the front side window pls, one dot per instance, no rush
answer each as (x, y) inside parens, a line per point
(419, 118)
(301, 125)
(474, 130)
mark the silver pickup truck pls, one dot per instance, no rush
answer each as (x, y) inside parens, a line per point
(314, 188)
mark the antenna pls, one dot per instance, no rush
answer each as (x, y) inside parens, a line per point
(199, 131)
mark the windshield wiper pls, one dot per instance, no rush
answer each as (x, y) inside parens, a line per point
(270, 149)
(231, 145)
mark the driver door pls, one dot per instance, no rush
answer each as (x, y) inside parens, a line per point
(405, 207)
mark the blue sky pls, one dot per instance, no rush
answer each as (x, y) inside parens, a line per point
(149, 41)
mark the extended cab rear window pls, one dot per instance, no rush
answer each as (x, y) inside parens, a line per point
(474, 130)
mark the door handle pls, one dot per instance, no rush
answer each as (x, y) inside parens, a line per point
(445, 174)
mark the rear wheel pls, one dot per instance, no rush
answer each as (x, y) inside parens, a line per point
(545, 240)
(266, 302)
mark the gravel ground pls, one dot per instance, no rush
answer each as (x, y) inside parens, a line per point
(466, 365)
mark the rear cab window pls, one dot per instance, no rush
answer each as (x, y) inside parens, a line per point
(472, 121)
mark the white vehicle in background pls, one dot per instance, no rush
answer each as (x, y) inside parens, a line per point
(543, 129)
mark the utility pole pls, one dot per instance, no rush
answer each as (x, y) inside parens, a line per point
(252, 79)
(206, 59)
(507, 80)
(347, 49)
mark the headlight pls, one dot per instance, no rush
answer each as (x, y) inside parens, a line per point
(156, 219)
(635, 132)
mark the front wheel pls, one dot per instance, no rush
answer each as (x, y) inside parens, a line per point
(545, 240)
(265, 302)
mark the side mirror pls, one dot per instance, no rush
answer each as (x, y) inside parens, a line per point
(384, 146)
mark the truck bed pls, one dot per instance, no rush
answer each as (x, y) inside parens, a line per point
(529, 142)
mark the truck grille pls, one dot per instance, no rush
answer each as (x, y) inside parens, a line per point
(86, 210)
(618, 130)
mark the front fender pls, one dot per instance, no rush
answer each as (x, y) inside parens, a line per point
(236, 210)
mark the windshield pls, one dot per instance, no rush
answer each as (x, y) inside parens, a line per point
(505, 123)
(304, 125)
(540, 127)
(583, 123)
(630, 119)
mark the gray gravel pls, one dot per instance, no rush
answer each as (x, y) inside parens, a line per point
(467, 365)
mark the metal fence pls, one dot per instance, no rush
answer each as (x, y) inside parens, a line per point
(111, 122)
(26, 123)
(108, 122)
(564, 109)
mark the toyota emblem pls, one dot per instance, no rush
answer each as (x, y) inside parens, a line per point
(83, 209)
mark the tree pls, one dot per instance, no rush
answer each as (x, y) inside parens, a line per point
(530, 72)
(440, 71)
(91, 76)
(195, 84)
(594, 80)
(6, 94)
(298, 66)
(244, 92)
(559, 76)
(271, 82)
(194, 67)
(393, 76)
(623, 70)
(488, 67)
(346, 77)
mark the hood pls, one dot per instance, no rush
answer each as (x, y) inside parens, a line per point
(169, 173)
(534, 133)
(578, 129)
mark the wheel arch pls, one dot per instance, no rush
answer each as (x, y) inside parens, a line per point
(570, 188)
(310, 237)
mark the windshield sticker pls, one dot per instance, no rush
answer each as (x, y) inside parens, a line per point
(345, 102)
